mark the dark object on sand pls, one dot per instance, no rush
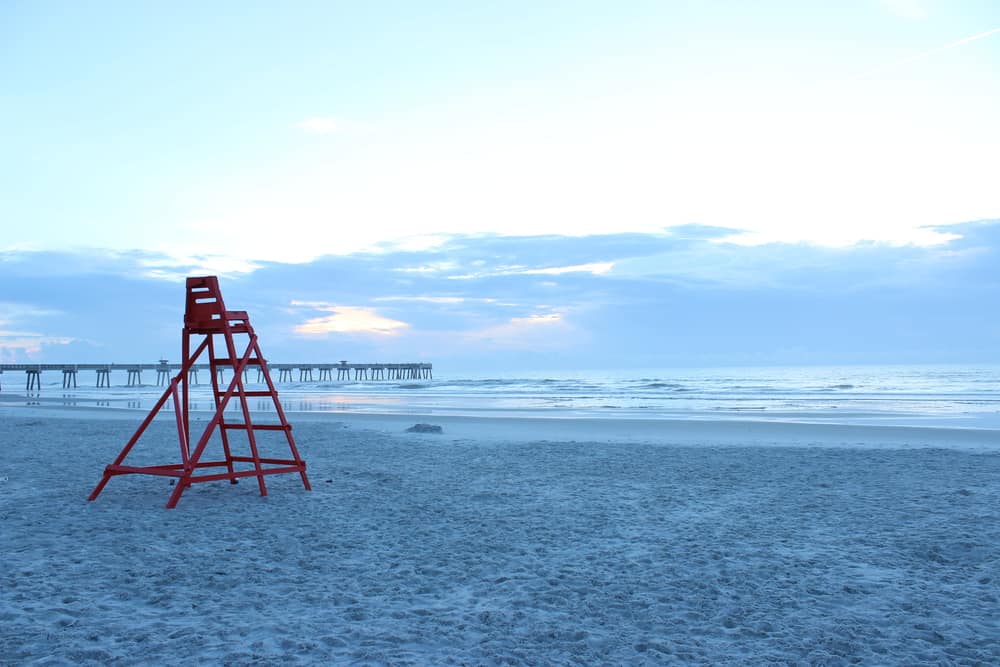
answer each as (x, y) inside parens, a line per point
(425, 428)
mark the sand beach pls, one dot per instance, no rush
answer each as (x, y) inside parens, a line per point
(507, 541)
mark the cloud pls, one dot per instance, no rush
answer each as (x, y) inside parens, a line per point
(681, 297)
(176, 268)
(537, 320)
(433, 267)
(413, 243)
(596, 268)
(12, 312)
(921, 237)
(347, 319)
(538, 331)
(437, 299)
(15, 346)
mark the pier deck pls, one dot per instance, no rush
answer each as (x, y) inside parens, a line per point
(345, 372)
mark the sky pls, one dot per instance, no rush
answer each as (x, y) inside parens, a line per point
(504, 186)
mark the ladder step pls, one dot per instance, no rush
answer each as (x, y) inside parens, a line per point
(246, 393)
(258, 427)
(228, 363)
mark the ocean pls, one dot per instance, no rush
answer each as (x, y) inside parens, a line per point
(912, 395)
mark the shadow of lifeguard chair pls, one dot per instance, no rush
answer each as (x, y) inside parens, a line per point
(205, 315)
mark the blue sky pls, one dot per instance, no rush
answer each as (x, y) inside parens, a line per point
(505, 185)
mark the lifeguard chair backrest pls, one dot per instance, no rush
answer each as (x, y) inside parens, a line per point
(204, 308)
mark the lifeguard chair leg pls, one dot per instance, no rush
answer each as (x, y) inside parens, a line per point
(109, 471)
(283, 421)
(240, 388)
(223, 434)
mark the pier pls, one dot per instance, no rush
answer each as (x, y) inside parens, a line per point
(345, 372)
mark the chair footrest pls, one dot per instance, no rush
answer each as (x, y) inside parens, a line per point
(258, 427)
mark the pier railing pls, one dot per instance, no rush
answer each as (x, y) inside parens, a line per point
(345, 372)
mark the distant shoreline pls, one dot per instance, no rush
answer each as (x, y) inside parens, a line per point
(588, 429)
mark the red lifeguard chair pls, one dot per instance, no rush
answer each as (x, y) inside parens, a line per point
(205, 315)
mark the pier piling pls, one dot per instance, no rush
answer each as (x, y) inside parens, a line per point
(33, 379)
(69, 378)
(346, 372)
(162, 373)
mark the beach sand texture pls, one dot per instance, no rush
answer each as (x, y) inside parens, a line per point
(450, 549)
